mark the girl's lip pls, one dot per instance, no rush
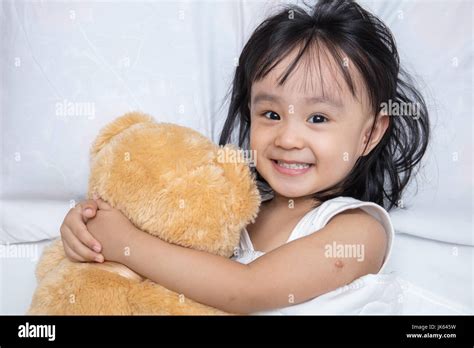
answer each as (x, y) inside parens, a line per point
(289, 171)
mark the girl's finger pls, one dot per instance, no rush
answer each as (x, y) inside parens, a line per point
(75, 224)
(88, 209)
(82, 250)
(71, 254)
(103, 204)
(86, 238)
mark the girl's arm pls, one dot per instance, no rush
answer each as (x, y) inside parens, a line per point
(293, 273)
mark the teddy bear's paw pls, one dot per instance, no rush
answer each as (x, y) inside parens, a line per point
(119, 269)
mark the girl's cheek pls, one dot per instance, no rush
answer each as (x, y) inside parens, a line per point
(257, 135)
(333, 151)
(324, 146)
(252, 138)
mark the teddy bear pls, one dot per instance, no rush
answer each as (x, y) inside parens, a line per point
(170, 181)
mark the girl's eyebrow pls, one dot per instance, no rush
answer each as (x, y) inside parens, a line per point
(259, 97)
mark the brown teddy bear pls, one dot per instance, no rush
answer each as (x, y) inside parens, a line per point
(171, 182)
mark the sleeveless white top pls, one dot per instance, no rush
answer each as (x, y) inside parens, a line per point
(371, 294)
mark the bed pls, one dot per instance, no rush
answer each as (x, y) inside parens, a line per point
(69, 68)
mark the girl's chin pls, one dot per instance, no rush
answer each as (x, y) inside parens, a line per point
(287, 185)
(285, 190)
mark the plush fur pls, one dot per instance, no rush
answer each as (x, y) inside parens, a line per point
(172, 183)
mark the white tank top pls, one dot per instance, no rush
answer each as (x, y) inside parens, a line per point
(371, 294)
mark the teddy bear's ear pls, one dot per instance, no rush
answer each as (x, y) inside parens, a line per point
(116, 127)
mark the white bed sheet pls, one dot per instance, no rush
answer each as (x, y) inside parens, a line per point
(17, 276)
(437, 276)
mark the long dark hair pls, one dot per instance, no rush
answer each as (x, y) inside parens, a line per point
(342, 27)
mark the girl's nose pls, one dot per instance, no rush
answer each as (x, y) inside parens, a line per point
(289, 137)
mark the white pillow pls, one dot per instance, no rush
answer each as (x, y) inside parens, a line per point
(175, 60)
(31, 220)
(438, 205)
(60, 86)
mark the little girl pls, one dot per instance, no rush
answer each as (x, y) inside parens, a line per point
(310, 97)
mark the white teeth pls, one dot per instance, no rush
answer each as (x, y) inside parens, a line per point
(293, 165)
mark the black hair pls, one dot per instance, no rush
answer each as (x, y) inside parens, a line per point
(344, 28)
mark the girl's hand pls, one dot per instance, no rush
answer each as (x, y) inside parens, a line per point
(79, 244)
(112, 229)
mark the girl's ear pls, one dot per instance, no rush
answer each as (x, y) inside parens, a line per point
(381, 124)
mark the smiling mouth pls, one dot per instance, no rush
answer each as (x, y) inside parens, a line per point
(291, 168)
(292, 164)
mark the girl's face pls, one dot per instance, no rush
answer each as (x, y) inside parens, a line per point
(305, 142)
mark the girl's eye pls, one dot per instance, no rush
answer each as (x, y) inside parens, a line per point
(271, 115)
(318, 118)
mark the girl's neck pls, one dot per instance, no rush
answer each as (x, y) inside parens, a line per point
(296, 204)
